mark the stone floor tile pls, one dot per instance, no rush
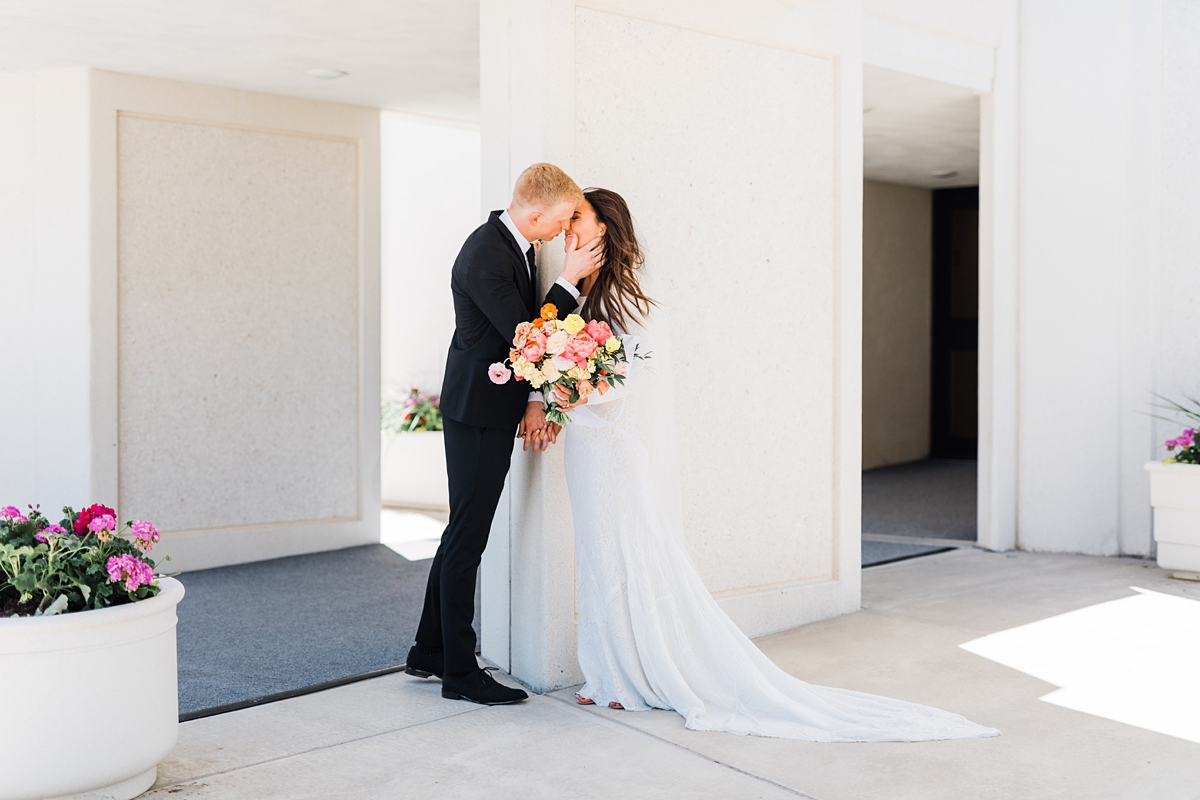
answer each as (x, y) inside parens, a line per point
(540, 749)
(239, 738)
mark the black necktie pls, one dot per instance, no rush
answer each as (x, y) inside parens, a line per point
(533, 282)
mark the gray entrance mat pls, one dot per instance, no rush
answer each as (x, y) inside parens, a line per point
(930, 499)
(254, 630)
(876, 553)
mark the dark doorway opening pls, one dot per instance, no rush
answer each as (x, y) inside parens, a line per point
(954, 410)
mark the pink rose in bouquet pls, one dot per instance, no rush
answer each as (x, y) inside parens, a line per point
(535, 346)
(598, 330)
(580, 348)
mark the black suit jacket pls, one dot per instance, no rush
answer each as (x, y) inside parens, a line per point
(492, 295)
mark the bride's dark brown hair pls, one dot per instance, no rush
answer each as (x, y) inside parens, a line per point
(616, 297)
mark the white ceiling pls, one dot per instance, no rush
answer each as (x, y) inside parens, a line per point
(913, 127)
(420, 56)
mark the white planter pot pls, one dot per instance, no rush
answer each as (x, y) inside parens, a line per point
(91, 700)
(1175, 495)
(413, 470)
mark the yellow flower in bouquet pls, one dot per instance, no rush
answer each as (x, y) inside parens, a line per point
(573, 324)
(613, 344)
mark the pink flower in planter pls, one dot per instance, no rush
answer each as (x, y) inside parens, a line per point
(130, 569)
(50, 530)
(103, 527)
(145, 535)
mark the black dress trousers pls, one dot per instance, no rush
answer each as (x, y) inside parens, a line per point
(477, 461)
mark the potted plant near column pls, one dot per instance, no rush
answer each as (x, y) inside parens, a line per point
(413, 456)
(1175, 495)
(87, 656)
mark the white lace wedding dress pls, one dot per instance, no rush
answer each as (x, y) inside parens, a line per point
(650, 634)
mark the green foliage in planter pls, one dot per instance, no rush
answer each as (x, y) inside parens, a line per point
(82, 562)
(417, 412)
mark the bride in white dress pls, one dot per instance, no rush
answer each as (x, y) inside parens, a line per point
(650, 634)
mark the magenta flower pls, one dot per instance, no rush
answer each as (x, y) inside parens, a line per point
(145, 535)
(12, 512)
(50, 530)
(103, 526)
(130, 569)
(1186, 439)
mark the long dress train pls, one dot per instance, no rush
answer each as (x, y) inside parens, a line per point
(650, 634)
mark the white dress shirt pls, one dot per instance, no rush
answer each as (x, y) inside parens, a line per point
(525, 244)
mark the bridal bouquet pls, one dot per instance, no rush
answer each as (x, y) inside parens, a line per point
(583, 357)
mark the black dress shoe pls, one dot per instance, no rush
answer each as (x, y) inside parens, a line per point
(424, 663)
(479, 687)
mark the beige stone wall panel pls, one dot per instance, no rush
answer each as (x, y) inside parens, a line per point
(238, 271)
(897, 322)
(741, 252)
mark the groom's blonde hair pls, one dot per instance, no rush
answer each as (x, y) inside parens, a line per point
(543, 186)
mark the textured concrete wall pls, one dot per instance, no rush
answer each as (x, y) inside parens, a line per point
(897, 322)
(729, 132)
(773, 478)
(238, 327)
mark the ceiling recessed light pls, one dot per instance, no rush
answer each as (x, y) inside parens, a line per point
(327, 74)
(942, 174)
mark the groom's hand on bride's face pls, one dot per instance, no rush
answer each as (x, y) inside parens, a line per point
(582, 260)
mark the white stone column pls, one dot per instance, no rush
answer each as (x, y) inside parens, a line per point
(46, 358)
(999, 130)
(735, 135)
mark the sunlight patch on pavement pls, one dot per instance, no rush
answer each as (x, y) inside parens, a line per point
(413, 535)
(1133, 660)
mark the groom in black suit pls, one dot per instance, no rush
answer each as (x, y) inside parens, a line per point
(495, 287)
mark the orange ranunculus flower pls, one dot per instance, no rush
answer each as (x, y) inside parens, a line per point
(549, 311)
(539, 322)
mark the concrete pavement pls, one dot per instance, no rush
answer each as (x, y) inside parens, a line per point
(394, 737)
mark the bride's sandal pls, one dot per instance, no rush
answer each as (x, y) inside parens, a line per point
(584, 701)
(616, 705)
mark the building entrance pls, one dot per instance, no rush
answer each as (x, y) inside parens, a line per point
(954, 417)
